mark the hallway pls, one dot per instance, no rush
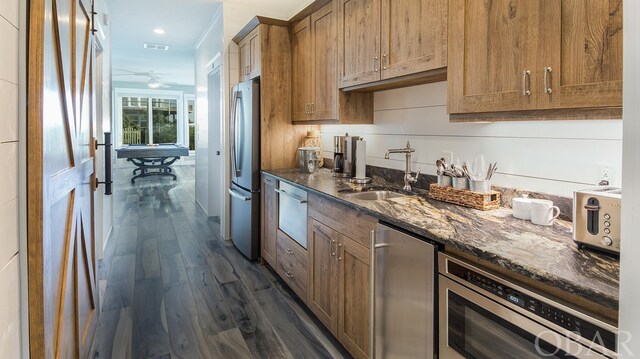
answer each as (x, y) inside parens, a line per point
(170, 288)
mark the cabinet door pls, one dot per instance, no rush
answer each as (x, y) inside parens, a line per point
(325, 76)
(354, 297)
(270, 220)
(244, 59)
(302, 75)
(491, 45)
(358, 41)
(414, 36)
(254, 53)
(323, 297)
(583, 47)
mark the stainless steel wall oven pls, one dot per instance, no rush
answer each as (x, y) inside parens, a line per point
(485, 316)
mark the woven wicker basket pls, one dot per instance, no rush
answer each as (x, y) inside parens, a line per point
(466, 198)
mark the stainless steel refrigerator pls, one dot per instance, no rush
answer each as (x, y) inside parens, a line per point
(245, 168)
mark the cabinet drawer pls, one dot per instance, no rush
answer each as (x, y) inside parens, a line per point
(293, 264)
(343, 219)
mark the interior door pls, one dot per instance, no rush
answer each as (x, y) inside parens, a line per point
(60, 166)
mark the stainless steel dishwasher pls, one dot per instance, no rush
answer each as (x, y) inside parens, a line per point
(403, 274)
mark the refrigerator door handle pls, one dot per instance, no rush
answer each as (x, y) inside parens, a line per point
(238, 195)
(237, 96)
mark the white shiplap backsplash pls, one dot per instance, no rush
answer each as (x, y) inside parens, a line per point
(555, 157)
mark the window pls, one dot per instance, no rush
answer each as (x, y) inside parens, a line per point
(135, 120)
(191, 119)
(165, 120)
(150, 117)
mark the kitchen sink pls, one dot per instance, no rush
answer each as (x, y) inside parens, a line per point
(374, 195)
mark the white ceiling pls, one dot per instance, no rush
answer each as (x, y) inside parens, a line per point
(132, 23)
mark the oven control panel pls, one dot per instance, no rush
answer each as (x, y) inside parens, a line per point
(534, 306)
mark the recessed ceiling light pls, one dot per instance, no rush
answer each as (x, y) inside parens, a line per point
(159, 31)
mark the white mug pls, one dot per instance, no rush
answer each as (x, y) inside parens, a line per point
(542, 212)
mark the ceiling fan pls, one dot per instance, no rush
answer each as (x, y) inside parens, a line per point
(154, 78)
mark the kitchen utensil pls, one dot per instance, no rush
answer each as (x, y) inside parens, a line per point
(444, 181)
(521, 207)
(491, 170)
(596, 218)
(542, 212)
(441, 166)
(480, 186)
(465, 169)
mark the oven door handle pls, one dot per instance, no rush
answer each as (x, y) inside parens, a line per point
(281, 191)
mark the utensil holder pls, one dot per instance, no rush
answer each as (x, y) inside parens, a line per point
(480, 186)
(460, 182)
(481, 201)
(444, 181)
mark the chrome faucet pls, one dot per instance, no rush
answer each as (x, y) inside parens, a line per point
(408, 178)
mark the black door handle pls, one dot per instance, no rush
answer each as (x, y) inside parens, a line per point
(107, 164)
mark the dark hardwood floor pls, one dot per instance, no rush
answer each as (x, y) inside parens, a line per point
(171, 288)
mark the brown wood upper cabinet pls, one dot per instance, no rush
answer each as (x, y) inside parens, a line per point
(385, 39)
(518, 58)
(316, 96)
(249, 55)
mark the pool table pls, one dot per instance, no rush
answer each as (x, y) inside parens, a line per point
(153, 160)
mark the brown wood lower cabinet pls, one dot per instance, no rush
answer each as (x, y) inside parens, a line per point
(293, 264)
(323, 291)
(332, 274)
(340, 287)
(354, 294)
(269, 219)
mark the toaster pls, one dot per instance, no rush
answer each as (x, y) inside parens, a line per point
(596, 218)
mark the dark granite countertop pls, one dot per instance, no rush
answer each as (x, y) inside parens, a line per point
(544, 254)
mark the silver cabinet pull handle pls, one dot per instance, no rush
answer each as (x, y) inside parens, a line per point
(288, 251)
(375, 64)
(313, 108)
(302, 201)
(385, 61)
(547, 88)
(238, 196)
(526, 83)
(288, 274)
(332, 253)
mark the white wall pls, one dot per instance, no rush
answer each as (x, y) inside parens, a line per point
(554, 157)
(209, 138)
(10, 327)
(630, 246)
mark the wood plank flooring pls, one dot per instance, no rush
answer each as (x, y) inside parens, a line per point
(171, 288)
